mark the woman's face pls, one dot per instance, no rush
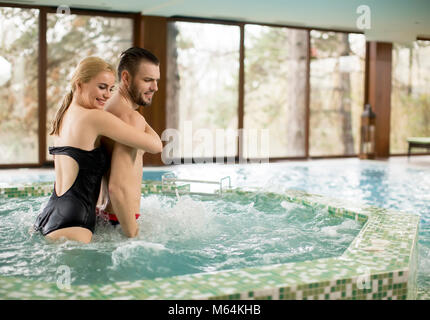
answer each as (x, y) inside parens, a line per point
(96, 92)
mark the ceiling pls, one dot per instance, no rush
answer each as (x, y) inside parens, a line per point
(390, 20)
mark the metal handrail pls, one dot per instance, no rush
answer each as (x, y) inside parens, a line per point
(165, 178)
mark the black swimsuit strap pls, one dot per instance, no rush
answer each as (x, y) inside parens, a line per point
(77, 154)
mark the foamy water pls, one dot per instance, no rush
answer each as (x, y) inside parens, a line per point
(177, 236)
(386, 185)
(382, 184)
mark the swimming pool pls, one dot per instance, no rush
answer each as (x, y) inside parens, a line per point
(380, 184)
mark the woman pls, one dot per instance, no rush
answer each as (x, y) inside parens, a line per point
(80, 161)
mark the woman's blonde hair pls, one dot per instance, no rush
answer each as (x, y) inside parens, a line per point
(87, 69)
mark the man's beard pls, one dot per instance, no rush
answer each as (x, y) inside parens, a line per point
(136, 97)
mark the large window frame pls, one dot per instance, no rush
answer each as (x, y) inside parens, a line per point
(394, 152)
(42, 68)
(138, 41)
(241, 91)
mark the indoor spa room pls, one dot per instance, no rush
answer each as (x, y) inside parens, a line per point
(197, 150)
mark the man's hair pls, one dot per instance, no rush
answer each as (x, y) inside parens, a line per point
(131, 58)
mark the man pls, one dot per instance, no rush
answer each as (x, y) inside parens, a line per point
(138, 73)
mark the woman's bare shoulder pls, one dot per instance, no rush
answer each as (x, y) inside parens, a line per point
(94, 114)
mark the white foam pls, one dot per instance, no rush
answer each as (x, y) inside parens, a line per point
(330, 231)
(184, 219)
(348, 224)
(129, 250)
(289, 206)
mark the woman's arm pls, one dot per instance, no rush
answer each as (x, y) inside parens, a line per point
(106, 124)
(139, 118)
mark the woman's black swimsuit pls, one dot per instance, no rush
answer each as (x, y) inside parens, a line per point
(76, 207)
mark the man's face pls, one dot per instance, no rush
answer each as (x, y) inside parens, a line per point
(144, 83)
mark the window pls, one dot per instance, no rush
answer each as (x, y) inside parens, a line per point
(410, 94)
(275, 87)
(337, 92)
(71, 38)
(203, 88)
(19, 30)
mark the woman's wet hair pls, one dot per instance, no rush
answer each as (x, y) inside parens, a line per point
(131, 58)
(86, 70)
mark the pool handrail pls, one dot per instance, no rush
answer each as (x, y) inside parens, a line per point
(165, 178)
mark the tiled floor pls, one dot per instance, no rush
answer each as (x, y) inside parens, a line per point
(422, 161)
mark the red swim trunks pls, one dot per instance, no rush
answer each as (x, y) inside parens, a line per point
(111, 217)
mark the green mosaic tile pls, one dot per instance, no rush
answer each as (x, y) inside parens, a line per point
(390, 262)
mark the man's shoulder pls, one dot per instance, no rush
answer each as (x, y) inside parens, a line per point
(130, 116)
(125, 113)
(133, 118)
(115, 107)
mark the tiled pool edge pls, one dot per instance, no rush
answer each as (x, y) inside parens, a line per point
(371, 268)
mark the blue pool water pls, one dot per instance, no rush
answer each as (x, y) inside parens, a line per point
(178, 235)
(22, 176)
(383, 184)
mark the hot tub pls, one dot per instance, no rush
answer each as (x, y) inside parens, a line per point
(379, 263)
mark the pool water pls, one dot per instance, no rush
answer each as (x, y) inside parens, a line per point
(383, 184)
(178, 235)
(25, 176)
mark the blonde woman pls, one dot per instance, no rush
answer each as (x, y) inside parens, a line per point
(80, 161)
